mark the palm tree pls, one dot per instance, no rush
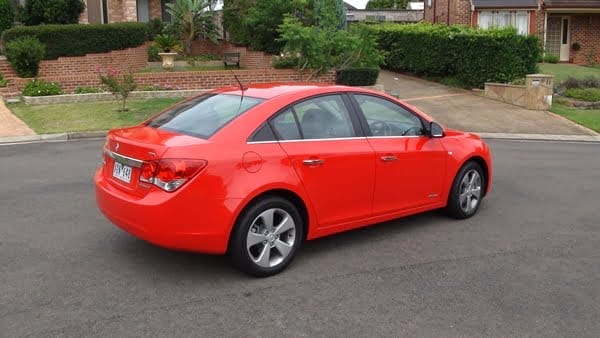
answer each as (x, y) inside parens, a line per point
(192, 19)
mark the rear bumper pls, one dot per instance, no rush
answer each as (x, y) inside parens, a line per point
(179, 220)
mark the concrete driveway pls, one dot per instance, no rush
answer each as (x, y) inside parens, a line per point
(470, 111)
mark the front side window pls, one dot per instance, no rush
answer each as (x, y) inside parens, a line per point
(501, 19)
(386, 118)
(204, 115)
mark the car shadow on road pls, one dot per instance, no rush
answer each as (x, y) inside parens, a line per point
(369, 234)
(154, 259)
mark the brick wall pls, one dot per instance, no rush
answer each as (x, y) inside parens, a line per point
(123, 60)
(460, 12)
(155, 9)
(115, 11)
(428, 12)
(585, 29)
(178, 80)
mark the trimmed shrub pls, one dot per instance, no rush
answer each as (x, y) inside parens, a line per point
(573, 82)
(471, 56)
(78, 40)
(584, 94)
(357, 76)
(7, 15)
(88, 90)
(36, 12)
(285, 62)
(551, 58)
(24, 55)
(153, 51)
(37, 87)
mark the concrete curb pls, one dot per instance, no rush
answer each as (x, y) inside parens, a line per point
(539, 137)
(61, 137)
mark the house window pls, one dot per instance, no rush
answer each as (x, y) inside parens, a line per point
(165, 15)
(517, 19)
(375, 17)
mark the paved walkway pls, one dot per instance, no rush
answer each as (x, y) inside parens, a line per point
(470, 111)
(10, 125)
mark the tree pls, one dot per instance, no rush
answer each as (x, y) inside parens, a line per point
(36, 12)
(191, 20)
(233, 12)
(7, 15)
(387, 4)
(330, 12)
(325, 46)
(254, 22)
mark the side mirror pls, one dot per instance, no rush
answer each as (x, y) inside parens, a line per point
(435, 130)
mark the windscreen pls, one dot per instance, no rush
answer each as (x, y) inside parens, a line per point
(204, 115)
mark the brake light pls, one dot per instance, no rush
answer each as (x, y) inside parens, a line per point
(170, 174)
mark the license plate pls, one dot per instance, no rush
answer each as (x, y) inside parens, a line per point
(122, 172)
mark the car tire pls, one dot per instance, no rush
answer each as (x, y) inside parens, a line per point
(467, 191)
(266, 236)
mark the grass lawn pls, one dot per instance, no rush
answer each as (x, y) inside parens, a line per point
(588, 118)
(561, 71)
(88, 116)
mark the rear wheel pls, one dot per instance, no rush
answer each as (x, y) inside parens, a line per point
(266, 237)
(467, 191)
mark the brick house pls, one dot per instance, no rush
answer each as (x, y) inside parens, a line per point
(558, 23)
(108, 11)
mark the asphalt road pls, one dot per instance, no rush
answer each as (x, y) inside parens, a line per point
(527, 265)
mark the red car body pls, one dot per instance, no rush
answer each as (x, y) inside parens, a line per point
(354, 187)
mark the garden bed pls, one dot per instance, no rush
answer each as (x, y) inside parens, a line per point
(569, 102)
(96, 97)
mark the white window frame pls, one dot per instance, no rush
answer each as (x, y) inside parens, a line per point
(496, 16)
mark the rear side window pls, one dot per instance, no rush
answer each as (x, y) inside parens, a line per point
(285, 126)
(205, 115)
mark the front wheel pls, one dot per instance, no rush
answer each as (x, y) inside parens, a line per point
(467, 191)
(266, 237)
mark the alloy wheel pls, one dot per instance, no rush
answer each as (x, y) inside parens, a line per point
(271, 237)
(470, 191)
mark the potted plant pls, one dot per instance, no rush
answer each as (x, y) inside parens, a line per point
(169, 45)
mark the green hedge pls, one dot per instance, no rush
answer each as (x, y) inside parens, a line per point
(78, 40)
(471, 56)
(357, 76)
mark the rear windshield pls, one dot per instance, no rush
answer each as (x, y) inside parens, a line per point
(204, 115)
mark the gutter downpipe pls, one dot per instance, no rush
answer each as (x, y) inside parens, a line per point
(545, 32)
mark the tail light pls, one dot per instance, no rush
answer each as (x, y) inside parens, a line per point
(170, 174)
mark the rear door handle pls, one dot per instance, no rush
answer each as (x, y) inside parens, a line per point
(389, 158)
(313, 161)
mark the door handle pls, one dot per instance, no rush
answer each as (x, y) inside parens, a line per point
(311, 162)
(389, 158)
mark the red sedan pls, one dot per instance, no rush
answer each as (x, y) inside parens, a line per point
(253, 172)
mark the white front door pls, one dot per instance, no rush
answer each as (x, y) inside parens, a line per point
(565, 38)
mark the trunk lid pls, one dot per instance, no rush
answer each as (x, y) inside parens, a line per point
(127, 148)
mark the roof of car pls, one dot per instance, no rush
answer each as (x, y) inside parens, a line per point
(271, 90)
